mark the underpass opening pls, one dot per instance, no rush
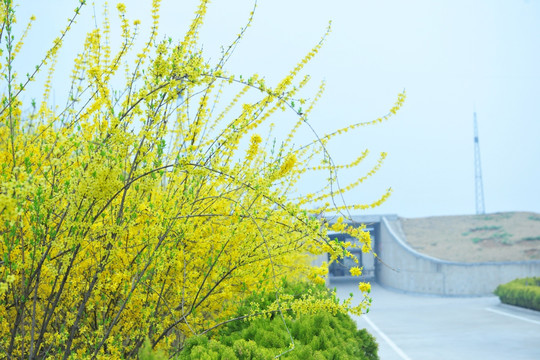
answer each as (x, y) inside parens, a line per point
(340, 269)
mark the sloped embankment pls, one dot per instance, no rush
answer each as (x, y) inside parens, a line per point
(510, 236)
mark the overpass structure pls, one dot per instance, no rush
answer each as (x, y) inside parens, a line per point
(398, 266)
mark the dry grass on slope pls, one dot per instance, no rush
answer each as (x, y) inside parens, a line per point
(512, 236)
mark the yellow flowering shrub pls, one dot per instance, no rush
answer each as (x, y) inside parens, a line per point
(153, 211)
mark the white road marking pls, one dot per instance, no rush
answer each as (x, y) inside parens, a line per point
(513, 316)
(386, 338)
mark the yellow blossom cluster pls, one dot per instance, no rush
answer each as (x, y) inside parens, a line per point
(154, 211)
(364, 287)
(355, 271)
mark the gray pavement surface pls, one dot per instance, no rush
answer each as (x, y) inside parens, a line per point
(421, 327)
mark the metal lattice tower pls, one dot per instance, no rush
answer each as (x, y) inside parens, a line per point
(480, 209)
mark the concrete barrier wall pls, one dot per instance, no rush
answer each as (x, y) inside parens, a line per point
(408, 270)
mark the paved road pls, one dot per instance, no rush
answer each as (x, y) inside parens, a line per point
(419, 327)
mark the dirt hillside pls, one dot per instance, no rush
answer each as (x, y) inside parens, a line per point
(511, 236)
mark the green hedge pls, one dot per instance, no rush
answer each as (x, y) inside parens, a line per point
(319, 336)
(521, 292)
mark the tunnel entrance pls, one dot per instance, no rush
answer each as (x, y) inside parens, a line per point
(342, 266)
(341, 269)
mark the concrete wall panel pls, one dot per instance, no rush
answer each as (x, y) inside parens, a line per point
(406, 269)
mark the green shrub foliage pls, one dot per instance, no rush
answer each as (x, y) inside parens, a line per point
(320, 336)
(521, 292)
(317, 336)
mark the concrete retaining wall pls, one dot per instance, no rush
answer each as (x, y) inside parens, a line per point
(411, 271)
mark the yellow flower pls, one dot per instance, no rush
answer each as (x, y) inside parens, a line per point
(253, 147)
(121, 7)
(364, 287)
(287, 165)
(356, 271)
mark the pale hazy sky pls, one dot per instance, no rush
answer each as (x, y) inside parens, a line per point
(452, 57)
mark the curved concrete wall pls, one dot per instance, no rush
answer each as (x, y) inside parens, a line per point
(408, 270)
